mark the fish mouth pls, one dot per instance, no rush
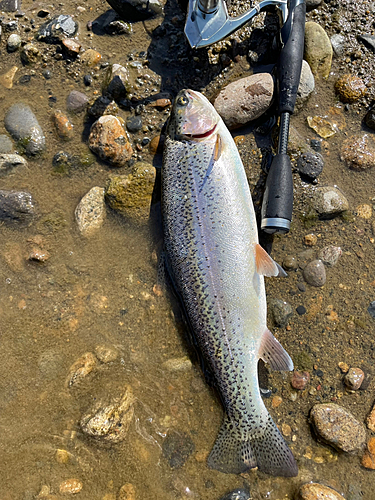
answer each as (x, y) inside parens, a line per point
(201, 136)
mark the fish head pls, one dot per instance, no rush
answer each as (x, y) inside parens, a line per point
(193, 117)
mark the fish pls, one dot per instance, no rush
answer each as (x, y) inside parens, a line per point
(217, 268)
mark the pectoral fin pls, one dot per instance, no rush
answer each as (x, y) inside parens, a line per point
(266, 266)
(273, 353)
(218, 147)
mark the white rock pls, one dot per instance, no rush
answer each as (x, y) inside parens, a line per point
(90, 212)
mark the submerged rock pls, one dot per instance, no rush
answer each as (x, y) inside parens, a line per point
(109, 420)
(330, 255)
(245, 100)
(318, 49)
(354, 378)
(315, 491)
(238, 494)
(368, 459)
(358, 152)
(10, 161)
(136, 10)
(329, 201)
(63, 126)
(81, 368)
(177, 447)
(6, 79)
(109, 141)
(6, 145)
(23, 126)
(116, 82)
(310, 165)
(350, 88)
(16, 206)
(131, 195)
(281, 312)
(314, 273)
(76, 102)
(338, 427)
(54, 30)
(90, 212)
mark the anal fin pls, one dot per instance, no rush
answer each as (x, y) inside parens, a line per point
(273, 353)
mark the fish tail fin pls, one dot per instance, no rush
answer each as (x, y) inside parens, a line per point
(236, 451)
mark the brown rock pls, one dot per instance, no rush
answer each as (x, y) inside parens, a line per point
(91, 57)
(81, 368)
(316, 491)
(245, 100)
(300, 380)
(350, 88)
(354, 378)
(338, 427)
(161, 103)
(62, 124)
(276, 401)
(127, 492)
(310, 240)
(358, 152)
(39, 255)
(6, 79)
(109, 141)
(368, 459)
(371, 420)
(71, 46)
(157, 144)
(70, 487)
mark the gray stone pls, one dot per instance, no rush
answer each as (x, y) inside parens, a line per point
(134, 123)
(306, 85)
(6, 145)
(177, 447)
(10, 5)
(314, 273)
(76, 102)
(10, 161)
(103, 106)
(238, 494)
(245, 100)
(337, 427)
(136, 10)
(281, 312)
(368, 41)
(318, 49)
(23, 126)
(54, 30)
(338, 44)
(16, 206)
(371, 309)
(14, 42)
(329, 201)
(329, 255)
(90, 212)
(354, 378)
(310, 165)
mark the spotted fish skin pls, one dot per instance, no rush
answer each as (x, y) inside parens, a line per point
(211, 246)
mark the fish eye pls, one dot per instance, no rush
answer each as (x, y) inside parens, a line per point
(182, 100)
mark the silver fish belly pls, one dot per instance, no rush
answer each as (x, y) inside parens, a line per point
(211, 244)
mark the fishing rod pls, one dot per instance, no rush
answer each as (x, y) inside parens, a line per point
(208, 22)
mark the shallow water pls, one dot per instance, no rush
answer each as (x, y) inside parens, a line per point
(100, 291)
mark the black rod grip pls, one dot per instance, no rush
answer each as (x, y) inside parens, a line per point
(277, 204)
(291, 56)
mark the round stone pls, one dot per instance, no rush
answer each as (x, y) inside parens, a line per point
(354, 378)
(329, 255)
(134, 123)
(350, 88)
(290, 263)
(300, 380)
(315, 491)
(14, 42)
(314, 273)
(310, 165)
(281, 312)
(87, 80)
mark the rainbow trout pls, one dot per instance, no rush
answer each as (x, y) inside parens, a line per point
(217, 268)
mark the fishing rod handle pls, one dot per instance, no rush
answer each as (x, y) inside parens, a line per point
(291, 56)
(277, 204)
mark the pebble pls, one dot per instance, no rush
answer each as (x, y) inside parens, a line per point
(76, 102)
(322, 126)
(276, 401)
(81, 369)
(131, 194)
(62, 125)
(58, 28)
(344, 367)
(91, 57)
(290, 263)
(30, 54)
(38, 255)
(62, 456)
(10, 5)
(310, 240)
(177, 447)
(350, 88)
(136, 10)
(358, 152)
(301, 310)
(370, 421)
(318, 49)
(245, 100)
(368, 41)
(310, 165)
(90, 212)
(300, 380)
(6, 145)
(178, 364)
(116, 82)
(17, 206)
(14, 42)
(106, 354)
(316, 491)
(370, 118)
(126, 492)
(87, 80)
(330, 255)
(8, 162)
(51, 364)
(109, 141)
(134, 123)
(70, 487)
(338, 427)
(329, 201)
(238, 494)
(368, 459)
(281, 312)
(306, 85)
(314, 273)
(354, 378)
(338, 44)
(71, 47)
(371, 309)
(364, 211)
(23, 126)
(109, 419)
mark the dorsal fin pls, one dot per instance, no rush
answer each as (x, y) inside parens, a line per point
(273, 353)
(265, 264)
